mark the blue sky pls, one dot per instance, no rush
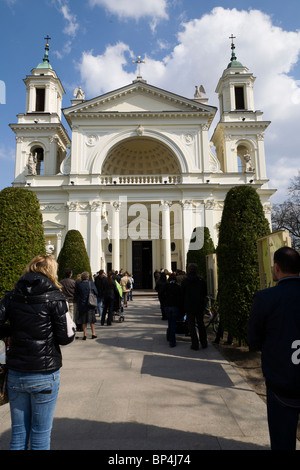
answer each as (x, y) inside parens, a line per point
(184, 42)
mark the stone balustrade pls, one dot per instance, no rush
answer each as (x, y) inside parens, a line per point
(140, 179)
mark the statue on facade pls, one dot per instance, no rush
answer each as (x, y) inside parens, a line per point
(247, 160)
(31, 164)
(199, 91)
(79, 93)
(50, 248)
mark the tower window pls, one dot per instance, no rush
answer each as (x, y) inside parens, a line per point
(40, 99)
(38, 154)
(239, 97)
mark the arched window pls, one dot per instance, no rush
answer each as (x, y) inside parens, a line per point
(244, 157)
(38, 152)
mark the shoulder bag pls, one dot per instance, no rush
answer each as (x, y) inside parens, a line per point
(3, 378)
(92, 301)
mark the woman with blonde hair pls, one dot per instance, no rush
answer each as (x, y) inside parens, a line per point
(34, 317)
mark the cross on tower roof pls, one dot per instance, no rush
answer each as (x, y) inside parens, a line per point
(139, 61)
(232, 37)
(47, 38)
(45, 63)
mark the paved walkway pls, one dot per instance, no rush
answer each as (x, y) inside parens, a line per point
(127, 390)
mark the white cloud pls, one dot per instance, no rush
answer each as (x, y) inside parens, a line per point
(105, 72)
(281, 179)
(72, 24)
(65, 50)
(199, 58)
(70, 29)
(157, 9)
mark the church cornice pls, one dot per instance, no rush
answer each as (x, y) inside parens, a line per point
(37, 128)
(243, 124)
(225, 127)
(133, 114)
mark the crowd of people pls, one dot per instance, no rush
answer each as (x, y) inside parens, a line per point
(41, 313)
(183, 295)
(113, 291)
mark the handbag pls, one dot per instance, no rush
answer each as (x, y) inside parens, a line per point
(92, 300)
(3, 385)
(71, 327)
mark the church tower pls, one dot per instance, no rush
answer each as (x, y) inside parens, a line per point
(41, 138)
(239, 135)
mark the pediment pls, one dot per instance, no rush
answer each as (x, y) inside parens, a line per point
(139, 97)
(48, 225)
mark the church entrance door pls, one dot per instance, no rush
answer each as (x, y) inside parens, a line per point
(142, 264)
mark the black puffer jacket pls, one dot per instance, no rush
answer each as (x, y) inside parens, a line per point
(36, 312)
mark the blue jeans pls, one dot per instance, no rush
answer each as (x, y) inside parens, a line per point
(172, 315)
(99, 303)
(32, 399)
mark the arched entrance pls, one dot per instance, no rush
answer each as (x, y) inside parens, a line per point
(150, 161)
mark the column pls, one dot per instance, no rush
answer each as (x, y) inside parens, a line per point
(166, 234)
(72, 216)
(95, 235)
(31, 99)
(58, 243)
(116, 236)
(187, 228)
(47, 99)
(209, 206)
(205, 149)
(50, 159)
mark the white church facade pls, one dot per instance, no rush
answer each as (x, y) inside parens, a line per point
(139, 172)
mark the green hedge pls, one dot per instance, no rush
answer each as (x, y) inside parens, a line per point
(243, 222)
(73, 255)
(21, 234)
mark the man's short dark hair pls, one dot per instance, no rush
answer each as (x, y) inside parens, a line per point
(288, 260)
(192, 268)
(68, 272)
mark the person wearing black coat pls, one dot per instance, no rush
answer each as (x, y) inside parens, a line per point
(159, 286)
(34, 321)
(99, 282)
(110, 294)
(194, 293)
(86, 313)
(171, 295)
(274, 329)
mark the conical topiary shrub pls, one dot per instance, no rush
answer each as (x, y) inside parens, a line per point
(243, 222)
(21, 234)
(73, 255)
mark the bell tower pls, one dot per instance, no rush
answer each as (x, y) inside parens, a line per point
(41, 138)
(239, 134)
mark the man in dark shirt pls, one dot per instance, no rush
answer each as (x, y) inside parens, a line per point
(274, 328)
(99, 283)
(194, 292)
